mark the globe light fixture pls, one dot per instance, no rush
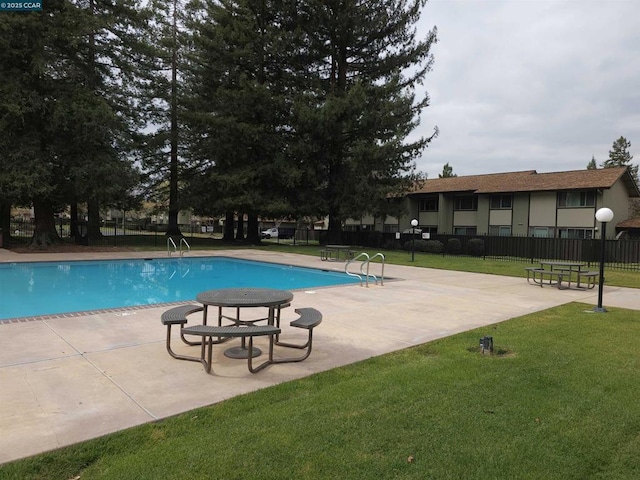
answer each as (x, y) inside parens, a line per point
(414, 224)
(603, 215)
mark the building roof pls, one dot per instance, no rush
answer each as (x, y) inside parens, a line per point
(631, 223)
(532, 181)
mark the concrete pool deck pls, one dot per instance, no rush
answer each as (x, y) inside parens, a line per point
(68, 379)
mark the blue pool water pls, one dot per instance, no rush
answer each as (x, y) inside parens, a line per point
(30, 289)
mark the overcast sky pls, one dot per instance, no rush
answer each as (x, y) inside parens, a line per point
(530, 84)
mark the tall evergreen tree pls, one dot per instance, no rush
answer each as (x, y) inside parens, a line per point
(447, 171)
(65, 105)
(27, 99)
(239, 118)
(619, 156)
(107, 66)
(356, 103)
(166, 155)
(592, 164)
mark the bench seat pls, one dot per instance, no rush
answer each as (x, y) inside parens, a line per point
(178, 316)
(231, 331)
(326, 254)
(590, 276)
(559, 275)
(308, 318)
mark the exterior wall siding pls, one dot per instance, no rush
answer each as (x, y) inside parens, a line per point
(542, 210)
(520, 214)
(428, 218)
(465, 219)
(445, 213)
(482, 217)
(617, 200)
(576, 217)
(500, 217)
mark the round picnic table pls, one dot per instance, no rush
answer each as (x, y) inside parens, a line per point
(238, 298)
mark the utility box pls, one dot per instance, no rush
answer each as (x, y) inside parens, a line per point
(486, 345)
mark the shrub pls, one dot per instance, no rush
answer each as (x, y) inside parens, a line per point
(454, 245)
(392, 245)
(428, 246)
(415, 244)
(433, 246)
(475, 247)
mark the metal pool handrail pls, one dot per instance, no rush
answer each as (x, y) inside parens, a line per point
(171, 243)
(382, 270)
(365, 271)
(183, 240)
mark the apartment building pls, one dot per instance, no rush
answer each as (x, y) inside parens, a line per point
(526, 203)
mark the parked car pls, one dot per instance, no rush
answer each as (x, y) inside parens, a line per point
(277, 233)
(269, 233)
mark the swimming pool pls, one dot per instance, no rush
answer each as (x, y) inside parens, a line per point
(44, 288)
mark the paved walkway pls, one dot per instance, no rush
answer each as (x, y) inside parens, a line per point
(64, 380)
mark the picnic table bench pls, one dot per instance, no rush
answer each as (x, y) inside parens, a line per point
(560, 271)
(336, 253)
(308, 319)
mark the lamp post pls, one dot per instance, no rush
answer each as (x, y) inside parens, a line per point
(603, 215)
(414, 224)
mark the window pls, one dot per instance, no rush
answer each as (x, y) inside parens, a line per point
(390, 227)
(465, 203)
(464, 230)
(500, 230)
(429, 204)
(542, 232)
(576, 199)
(581, 233)
(501, 202)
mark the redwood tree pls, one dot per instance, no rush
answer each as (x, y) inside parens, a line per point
(356, 104)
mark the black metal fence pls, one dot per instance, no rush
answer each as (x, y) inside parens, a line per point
(621, 254)
(118, 234)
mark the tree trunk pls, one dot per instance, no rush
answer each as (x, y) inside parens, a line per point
(240, 229)
(73, 221)
(93, 222)
(44, 232)
(174, 207)
(228, 227)
(253, 236)
(5, 223)
(334, 233)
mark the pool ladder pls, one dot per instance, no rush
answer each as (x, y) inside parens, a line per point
(171, 243)
(364, 268)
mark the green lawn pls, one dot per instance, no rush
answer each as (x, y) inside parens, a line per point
(619, 278)
(558, 399)
(614, 277)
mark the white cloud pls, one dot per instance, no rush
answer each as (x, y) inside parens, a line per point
(530, 84)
